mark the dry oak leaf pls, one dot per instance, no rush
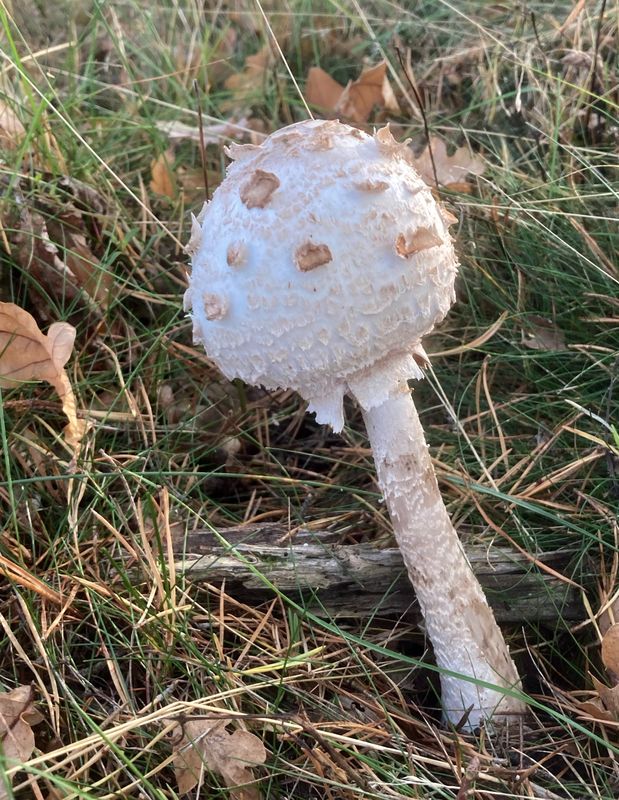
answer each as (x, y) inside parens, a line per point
(357, 100)
(17, 716)
(371, 89)
(451, 171)
(321, 90)
(206, 744)
(26, 354)
(48, 233)
(609, 697)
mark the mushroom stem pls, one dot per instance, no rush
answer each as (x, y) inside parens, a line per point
(459, 621)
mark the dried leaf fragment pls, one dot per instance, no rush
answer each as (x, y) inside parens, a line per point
(257, 192)
(53, 227)
(206, 744)
(162, 177)
(609, 697)
(451, 171)
(594, 708)
(26, 354)
(11, 129)
(253, 74)
(321, 90)
(420, 239)
(542, 334)
(310, 256)
(17, 716)
(610, 650)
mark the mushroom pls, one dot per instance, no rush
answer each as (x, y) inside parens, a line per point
(323, 260)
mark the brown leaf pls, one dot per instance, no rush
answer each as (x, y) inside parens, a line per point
(609, 696)
(357, 100)
(321, 90)
(542, 334)
(12, 131)
(47, 228)
(206, 743)
(253, 74)
(81, 262)
(26, 354)
(371, 89)
(451, 171)
(17, 715)
(594, 708)
(162, 177)
(610, 650)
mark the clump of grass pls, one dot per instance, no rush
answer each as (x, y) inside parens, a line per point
(116, 641)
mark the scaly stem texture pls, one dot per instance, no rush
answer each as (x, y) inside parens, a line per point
(459, 622)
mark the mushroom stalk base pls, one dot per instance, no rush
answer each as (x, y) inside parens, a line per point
(460, 624)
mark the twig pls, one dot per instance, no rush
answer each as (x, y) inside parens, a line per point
(422, 111)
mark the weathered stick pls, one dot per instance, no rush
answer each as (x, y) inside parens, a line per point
(359, 580)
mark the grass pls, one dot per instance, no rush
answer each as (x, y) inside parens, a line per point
(118, 644)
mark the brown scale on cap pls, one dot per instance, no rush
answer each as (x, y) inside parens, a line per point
(421, 239)
(215, 306)
(391, 146)
(193, 245)
(258, 190)
(321, 141)
(371, 185)
(447, 217)
(236, 255)
(310, 256)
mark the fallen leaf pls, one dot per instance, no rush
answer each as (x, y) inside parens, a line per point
(253, 74)
(358, 99)
(541, 334)
(321, 90)
(205, 743)
(162, 176)
(610, 650)
(451, 171)
(17, 716)
(371, 90)
(611, 611)
(609, 697)
(50, 226)
(12, 131)
(594, 708)
(26, 354)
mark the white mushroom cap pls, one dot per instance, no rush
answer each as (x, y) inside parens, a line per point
(320, 262)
